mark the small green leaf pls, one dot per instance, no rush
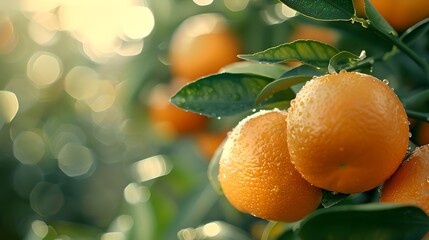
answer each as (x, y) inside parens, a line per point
(377, 20)
(342, 60)
(304, 70)
(365, 221)
(310, 52)
(415, 32)
(268, 70)
(221, 94)
(330, 199)
(325, 10)
(281, 85)
(213, 169)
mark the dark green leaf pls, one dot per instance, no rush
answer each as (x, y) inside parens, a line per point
(342, 60)
(280, 85)
(268, 70)
(221, 94)
(327, 10)
(304, 70)
(310, 52)
(418, 102)
(415, 32)
(366, 221)
(329, 198)
(377, 20)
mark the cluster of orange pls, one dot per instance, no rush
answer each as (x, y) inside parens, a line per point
(200, 46)
(345, 132)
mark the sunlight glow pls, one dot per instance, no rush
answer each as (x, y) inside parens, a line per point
(150, 168)
(40, 228)
(103, 27)
(236, 5)
(75, 160)
(44, 69)
(211, 229)
(8, 106)
(203, 2)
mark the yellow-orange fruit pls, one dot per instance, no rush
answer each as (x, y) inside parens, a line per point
(169, 119)
(201, 45)
(347, 132)
(410, 183)
(256, 174)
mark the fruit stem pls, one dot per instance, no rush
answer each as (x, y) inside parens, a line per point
(403, 47)
(417, 115)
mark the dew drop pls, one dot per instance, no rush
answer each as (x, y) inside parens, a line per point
(410, 134)
(218, 118)
(409, 123)
(385, 81)
(343, 71)
(254, 110)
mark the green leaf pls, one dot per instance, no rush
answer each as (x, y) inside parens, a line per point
(377, 20)
(279, 231)
(330, 198)
(325, 10)
(304, 70)
(221, 94)
(366, 221)
(213, 169)
(310, 52)
(342, 60)
(281, 85)
(267, 70)
(418, 101)
(415, 32)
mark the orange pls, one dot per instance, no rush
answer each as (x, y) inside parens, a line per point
(256, 174)
(201, 45)
(169, 119)
(318, 33)
(401, 14)
(347, 132)
(410, 183)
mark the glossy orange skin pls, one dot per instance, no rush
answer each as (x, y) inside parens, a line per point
(347, 132)
(410, 183)
(256, 174)
(201, 46)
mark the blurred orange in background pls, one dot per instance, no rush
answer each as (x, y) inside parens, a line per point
(168, 119)
(201, 45)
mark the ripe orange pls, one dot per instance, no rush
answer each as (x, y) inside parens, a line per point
(256, 174)
(169, 119)
(347, 132)
(401, 14)
(201, 45)
(410, 183)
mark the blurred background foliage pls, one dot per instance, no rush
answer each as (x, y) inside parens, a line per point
(86, 152)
